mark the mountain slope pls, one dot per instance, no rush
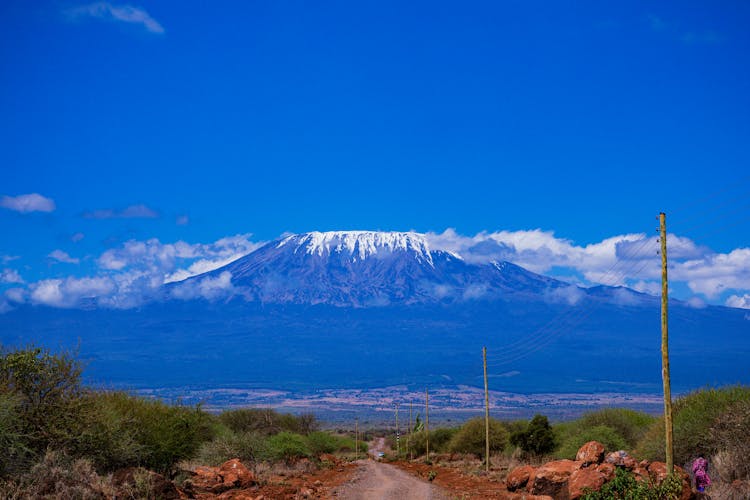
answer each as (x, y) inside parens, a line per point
(366, 268)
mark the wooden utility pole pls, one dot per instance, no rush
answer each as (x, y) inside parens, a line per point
(398, 434)
(665, 346)
(486, 414)
(408, 436)
(356, 439)
(427, 420)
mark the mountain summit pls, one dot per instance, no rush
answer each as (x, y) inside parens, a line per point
(365, 269)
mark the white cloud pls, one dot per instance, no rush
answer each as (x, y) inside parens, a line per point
(136, 271)
(625, 260)
(62, 256)
(26, 203)
(76, 237)
(740, 301)
(182, 220)
(69, 292)
(210, 288)
(122, 13)
(132, 212)
(10, 276)
(16, 294)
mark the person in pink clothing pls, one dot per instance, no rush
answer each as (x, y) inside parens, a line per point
(700, 472)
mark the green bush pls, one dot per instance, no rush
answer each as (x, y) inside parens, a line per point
(609, 437)
(268, 421)
(630, 425)
(120, 430)
(470, 438)
(288, 446)
(322, 442)
(693, 417)
(247, 446)
(538, 438)
(48, 389)
(624, 486)
(16, 455)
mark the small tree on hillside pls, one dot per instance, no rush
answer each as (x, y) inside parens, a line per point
(538, 437)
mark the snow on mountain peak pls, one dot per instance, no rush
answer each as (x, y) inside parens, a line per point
(360, 244)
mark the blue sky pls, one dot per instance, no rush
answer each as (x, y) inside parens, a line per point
(556, 125)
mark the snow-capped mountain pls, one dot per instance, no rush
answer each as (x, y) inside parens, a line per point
(363, 308)
(368, 268)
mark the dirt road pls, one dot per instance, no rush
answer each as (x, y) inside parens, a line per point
(379, 481)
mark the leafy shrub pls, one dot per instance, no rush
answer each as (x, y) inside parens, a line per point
(416, 442)
(693, 417)
(48, 389)
(247, 446)
(538, 437)
(267, 421)
(470, 438)
(630, 425)
(122, 430)
(608, 436)
(16, 455)
(288, 446)
(626, 487)
(322, 442)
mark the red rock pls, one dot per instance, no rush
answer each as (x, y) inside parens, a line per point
(643, 464)
(519, 477)
(235, 474)
(230, 475)
(608, 470)
(591, 453)
(584, 479)
(640, 473)
(621, 459)
(552, 478)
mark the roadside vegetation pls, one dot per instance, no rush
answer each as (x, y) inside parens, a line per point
(62, 439)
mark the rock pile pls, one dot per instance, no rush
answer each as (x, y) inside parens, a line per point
(569, 479)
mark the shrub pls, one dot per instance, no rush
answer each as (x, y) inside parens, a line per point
(693, 416)
(288, 446)
(416, 442)
(626, 487)
(16, 455)
(608, 436)
(321, 442)
(247, 446)
(538, 437)
(470, 438)
(630, 425)
(48, 389)
(121, 430)
(267, 421)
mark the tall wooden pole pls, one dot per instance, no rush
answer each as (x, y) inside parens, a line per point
(408, 438)
(427, 420)
(356, 439)
(486, 414)
(665, 346)
(398, 434)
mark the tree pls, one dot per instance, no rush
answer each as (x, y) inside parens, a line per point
(538, 437)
